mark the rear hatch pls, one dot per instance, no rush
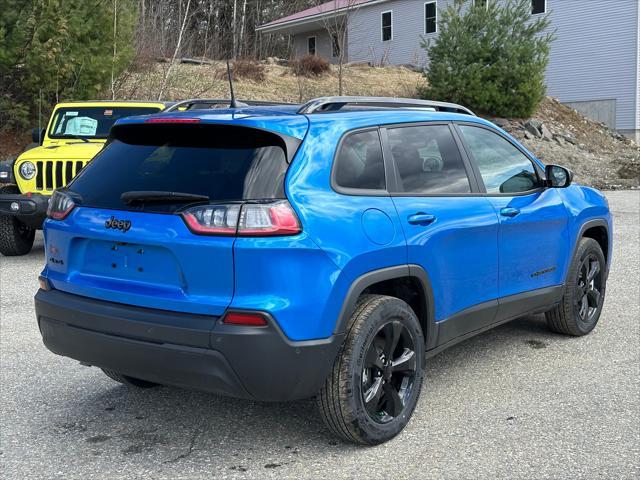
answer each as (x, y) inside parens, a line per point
(128, 240)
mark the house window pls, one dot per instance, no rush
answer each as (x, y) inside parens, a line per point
(311, 45)
(481, 3)
(335, 45)
(430, 17)
(538, 6)
(387, 27)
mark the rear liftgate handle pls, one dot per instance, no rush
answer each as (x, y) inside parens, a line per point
(421, 218)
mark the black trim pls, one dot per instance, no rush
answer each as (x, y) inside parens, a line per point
(595, 222)
(389, 273)
(485, 316)
(186, 350)
(33, 209)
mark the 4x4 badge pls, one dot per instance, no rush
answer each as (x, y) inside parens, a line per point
(116, 224)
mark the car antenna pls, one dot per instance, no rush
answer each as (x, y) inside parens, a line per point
(234, 103)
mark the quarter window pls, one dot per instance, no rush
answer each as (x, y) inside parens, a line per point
(359, 162)
(428, 160)
(311, 45)
(538, 6)
(430, 17)
(504, 168)
(387, 26)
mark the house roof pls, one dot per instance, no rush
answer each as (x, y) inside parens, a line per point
(313, 15)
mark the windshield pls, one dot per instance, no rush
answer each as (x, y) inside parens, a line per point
(219, 163)
(91, 122)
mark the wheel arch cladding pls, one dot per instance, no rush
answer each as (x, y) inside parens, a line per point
(598, 231)
(409, 283)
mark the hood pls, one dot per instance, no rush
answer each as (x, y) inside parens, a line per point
(76, 150)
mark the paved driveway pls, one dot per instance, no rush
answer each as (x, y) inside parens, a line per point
(516, 402)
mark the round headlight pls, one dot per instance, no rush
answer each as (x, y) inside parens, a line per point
(27, 170)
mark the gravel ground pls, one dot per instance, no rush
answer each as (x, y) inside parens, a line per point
(515, 402)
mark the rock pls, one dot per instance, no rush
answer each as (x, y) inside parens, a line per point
(545, 132)
(528, 135)
(533, 127)
(502, 123)
(271, 61)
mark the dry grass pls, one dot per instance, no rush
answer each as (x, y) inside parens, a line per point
(280, 83)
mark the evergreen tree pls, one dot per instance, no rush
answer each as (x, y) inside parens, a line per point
(491, 59)
(60, 49)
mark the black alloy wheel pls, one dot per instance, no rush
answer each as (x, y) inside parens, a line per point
(389, 372)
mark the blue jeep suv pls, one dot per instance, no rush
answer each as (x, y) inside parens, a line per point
(284, 252)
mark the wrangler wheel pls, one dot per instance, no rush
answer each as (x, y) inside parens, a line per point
(15, 237)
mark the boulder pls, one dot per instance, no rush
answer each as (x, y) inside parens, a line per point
(533, 127)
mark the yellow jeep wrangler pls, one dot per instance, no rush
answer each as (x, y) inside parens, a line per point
(75, 134)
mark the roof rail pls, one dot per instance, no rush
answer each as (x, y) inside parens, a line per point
(333, 104)
(209, 103)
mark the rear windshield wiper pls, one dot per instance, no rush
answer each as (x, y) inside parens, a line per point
(150, 196)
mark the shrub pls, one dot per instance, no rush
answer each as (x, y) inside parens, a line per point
(249, 69)
(492, 59)
(310, 66)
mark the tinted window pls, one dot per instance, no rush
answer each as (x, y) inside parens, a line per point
(504, 168)
(430, 17)
(428, 160)
(359, 162)
(91, 122)
(221, 162)
(387, 32)
(538, 6)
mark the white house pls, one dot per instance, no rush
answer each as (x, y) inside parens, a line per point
(593, 67)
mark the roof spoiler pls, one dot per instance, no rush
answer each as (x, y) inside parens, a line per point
(333, 104)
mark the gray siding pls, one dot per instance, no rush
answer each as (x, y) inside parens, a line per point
(323, 45)
(594, 58)
(595, 55)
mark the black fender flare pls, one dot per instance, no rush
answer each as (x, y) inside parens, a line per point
(389, 273)
(594, 222)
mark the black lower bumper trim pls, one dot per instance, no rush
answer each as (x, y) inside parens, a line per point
(191, 351)
(32, 209)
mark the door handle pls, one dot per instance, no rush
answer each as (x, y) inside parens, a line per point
(421, 219)
(509, 212)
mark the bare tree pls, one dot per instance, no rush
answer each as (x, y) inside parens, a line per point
(336, 25)
(167, 72)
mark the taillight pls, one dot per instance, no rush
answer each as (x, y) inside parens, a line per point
(60, 205)
(247, 319)
(249, 219)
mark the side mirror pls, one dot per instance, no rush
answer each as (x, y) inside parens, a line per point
(557, 176)
(37, 135)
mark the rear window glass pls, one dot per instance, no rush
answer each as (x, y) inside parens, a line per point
(359, 163)
(91, 122)
(224, 163)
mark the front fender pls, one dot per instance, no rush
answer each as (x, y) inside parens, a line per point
(587, 208)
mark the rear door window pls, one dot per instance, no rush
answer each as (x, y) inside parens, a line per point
(359, 163)
(427, 160)
(224, 163)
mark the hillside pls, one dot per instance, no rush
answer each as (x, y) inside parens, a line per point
(556, 134)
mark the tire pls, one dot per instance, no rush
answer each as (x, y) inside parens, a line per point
(579, 310)
(129, 381)
(362, 371)
(15, 237)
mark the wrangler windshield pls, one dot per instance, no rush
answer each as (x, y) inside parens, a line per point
(91, 122)
(222, 163)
